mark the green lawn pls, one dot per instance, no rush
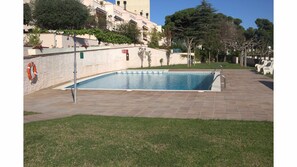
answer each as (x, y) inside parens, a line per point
(203, 66)
(29, 113)
(116, 141)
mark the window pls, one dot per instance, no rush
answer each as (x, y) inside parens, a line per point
(125, 4)
(118, 3)
(141, 13)
(147, 15)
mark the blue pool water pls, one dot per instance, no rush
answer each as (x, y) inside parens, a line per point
(150, 81)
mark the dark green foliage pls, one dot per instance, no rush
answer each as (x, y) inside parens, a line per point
(60, 14)
(182, 26)
(265, 31)
(237, 22)
(33, 39)
(205, 22)
(27, 14)
(250, 33)
(155, 37)
(179, 44)
(262, 38)
(181, 23)
(196, 26)
(102, 35)
(208, 29)
(130, 30)
(220, 36)
(112, 37)
(91, 22)
(102, 23)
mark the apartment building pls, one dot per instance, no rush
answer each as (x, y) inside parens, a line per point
(137, 12)
(141, 8)
(134, 11)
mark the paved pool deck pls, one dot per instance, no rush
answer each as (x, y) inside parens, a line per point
(248, 96)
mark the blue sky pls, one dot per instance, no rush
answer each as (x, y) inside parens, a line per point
(246, 10)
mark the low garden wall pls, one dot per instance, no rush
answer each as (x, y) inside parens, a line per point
(55, 66)
(52, 40)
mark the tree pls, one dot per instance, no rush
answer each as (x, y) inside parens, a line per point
(130, 30)
(195, 26)
(207, 28)
(91, 22)
(230, 33)
(167, 44)
(27, 14)
(141, 52)
(60, 14)
(149, 58)
(182, 27)
(161, 61)
(154, 41)
(264, 36)
(102, 22)
(33, 39)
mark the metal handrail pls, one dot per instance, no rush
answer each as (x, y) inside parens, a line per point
(216, 78)
(221, 70)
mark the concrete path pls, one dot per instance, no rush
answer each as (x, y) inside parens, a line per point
(248, 96)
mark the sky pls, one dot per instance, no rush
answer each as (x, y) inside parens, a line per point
(246, 10)
(285, 124)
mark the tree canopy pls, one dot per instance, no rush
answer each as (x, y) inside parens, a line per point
(155, 37)
(130, 30)
(215, 33)
(27, 14)
(60, 14)
(194, 25)
(264, 31)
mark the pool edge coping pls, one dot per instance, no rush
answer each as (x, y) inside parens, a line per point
(216, 85)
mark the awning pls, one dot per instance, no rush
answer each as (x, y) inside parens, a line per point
(118, 18)
(132, 21)
(98, 10)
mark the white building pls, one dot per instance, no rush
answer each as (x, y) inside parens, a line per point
(116, 14)
(141, 8)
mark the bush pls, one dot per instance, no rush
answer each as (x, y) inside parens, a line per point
(33, 39)
(102, 35)
(60, 14)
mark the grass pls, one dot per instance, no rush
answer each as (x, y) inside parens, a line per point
(269, 75)
(29, 113)
(115, 141)
(202, 66)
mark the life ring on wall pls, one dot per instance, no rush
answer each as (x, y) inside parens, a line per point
(29, 69)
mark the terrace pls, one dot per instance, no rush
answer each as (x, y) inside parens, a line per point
(248, 96)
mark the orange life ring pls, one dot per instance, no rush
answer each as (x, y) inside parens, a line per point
(29, 67)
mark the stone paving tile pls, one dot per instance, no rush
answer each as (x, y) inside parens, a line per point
(245, 98)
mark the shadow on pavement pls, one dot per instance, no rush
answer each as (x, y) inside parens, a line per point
(269, 84)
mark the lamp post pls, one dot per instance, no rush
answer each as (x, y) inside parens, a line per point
(74, 72)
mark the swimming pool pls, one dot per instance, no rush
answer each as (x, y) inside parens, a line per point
(151, 80)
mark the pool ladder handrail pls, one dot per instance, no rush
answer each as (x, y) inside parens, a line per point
(221, 69)
(216, 78)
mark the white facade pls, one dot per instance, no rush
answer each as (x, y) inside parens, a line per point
(138, 7)
(116, 14)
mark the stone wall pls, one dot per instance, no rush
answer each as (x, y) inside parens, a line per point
(56, 68)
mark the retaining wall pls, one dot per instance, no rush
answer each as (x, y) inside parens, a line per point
(57, 66)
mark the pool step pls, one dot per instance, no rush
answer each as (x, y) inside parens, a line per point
(140, 72)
